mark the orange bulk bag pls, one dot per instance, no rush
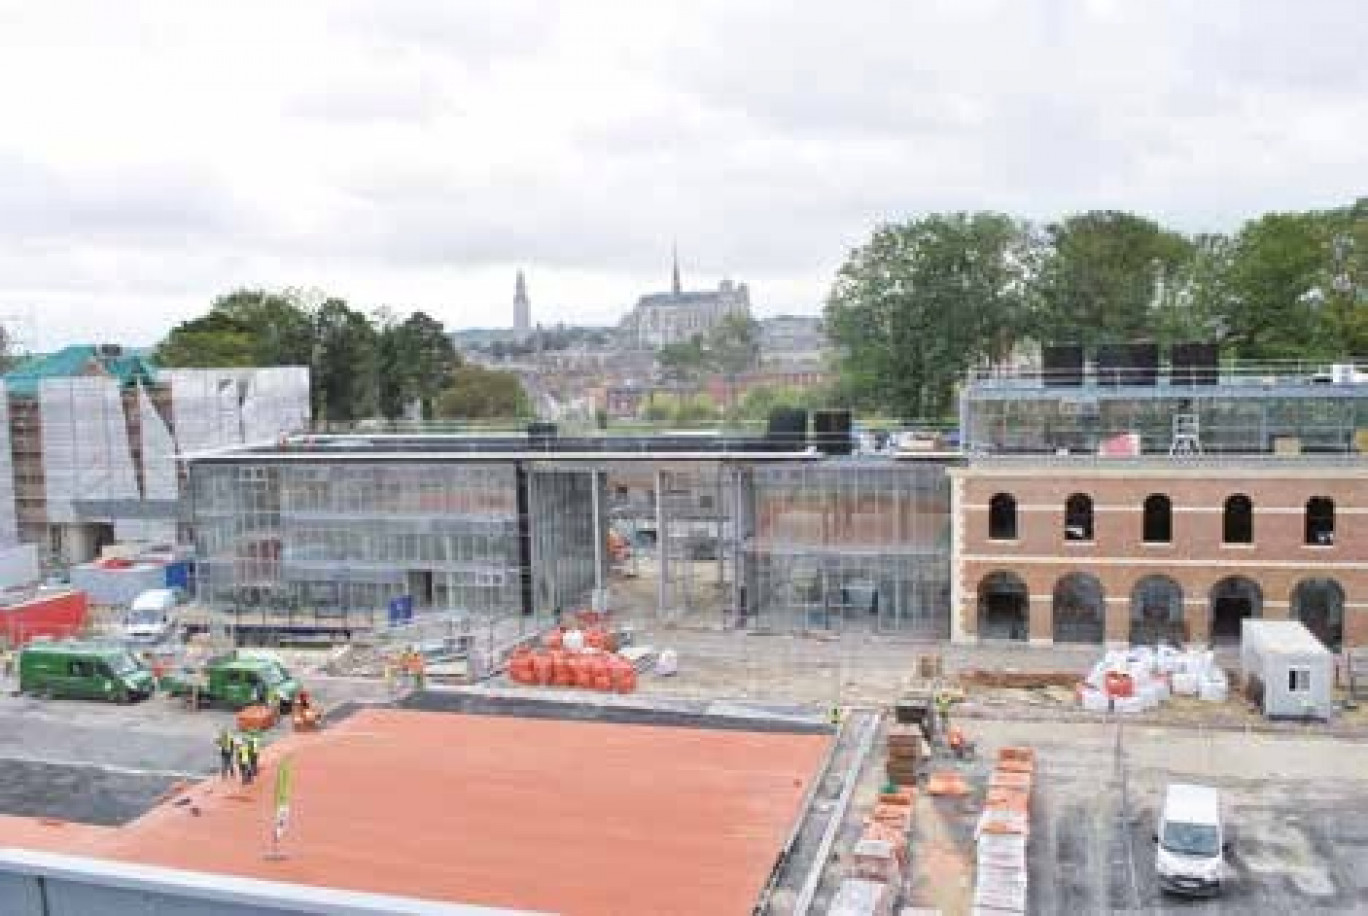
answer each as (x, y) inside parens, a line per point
(561, 675)
(541, 668)
(624, 676)
(520, 667)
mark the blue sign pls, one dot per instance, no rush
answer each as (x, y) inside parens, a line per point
(401, 610)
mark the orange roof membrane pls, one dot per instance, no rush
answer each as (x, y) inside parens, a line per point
(555, 816)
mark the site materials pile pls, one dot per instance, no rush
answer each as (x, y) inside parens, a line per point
(579, 656)
(1142, 679)
(1004, 828)
(904, 755)
(879, 860)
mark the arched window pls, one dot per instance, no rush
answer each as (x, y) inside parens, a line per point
(1078, 518)
(1320, 521)
(1238, 523)
(1002, 517)
(1158, 524)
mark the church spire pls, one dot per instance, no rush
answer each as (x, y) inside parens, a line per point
(675, 286)
(522, 309)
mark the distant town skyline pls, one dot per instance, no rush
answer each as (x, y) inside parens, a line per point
(416, 155)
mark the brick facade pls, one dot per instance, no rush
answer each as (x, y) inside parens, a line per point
(1196, 558)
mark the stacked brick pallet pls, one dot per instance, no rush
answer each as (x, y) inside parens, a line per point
(904, 755)
(879, 860)
(1004, 829)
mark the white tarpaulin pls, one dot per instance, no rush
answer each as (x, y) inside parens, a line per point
(86, 453)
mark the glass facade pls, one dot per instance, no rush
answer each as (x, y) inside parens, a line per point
(850, 543)
(320, 537)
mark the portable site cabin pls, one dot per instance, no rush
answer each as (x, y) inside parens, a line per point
(1287, 671)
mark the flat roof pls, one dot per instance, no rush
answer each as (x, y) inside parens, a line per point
(1282, 637)
(536, 814)
(487, 446)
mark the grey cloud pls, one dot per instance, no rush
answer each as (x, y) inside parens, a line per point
(154, 204)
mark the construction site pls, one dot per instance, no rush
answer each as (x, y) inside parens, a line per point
(708, 674)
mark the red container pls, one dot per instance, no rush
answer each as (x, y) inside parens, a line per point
(54, 616)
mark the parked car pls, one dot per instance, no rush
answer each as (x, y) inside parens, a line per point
(87, 671)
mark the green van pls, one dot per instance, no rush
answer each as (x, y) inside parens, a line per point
(235, 680)
(85, 671)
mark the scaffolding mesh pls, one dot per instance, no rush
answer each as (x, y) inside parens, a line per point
(86, 449)
(9, 523)
(276, 401)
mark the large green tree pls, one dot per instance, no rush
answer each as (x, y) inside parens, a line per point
(415, 359)
(244, 328)
(1103, 276)
(922, 301)
(344, 364)
(478, 393)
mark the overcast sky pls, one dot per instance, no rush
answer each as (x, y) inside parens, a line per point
(415, 153)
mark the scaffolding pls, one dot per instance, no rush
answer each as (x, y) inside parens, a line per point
(1245, 409)
(94, 459)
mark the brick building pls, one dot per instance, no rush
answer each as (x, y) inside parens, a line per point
(1116, 550)
(1098, 506)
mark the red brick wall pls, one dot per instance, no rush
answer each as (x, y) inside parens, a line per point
(1196, 559)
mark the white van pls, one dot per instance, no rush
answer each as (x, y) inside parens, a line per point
(150, 618)
(1190, 844)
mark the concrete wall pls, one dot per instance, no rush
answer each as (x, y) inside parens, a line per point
(1196, 558)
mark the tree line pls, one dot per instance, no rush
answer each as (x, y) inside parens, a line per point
(923, 301)
(360, 365)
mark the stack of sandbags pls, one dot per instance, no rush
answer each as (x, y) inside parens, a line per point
(1002, 834)
(904, 755)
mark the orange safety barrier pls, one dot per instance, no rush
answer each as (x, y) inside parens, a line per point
(553, 638)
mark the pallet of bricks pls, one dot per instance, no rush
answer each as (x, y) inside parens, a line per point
(879, 860)
(1003, 831)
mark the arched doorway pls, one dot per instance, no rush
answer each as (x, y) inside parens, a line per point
(1232, 600)
(1157, 612)
(1080, 609)
(1004, 606)
(1319, 603)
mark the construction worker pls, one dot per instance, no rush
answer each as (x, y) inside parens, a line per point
(835, 716)
(419, 671)
(943, 710)
(254, 752)
(244, 761)
(227, 748)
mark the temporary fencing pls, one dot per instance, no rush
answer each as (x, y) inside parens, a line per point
(1004, 829)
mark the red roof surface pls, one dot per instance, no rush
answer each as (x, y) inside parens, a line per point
(567, 817)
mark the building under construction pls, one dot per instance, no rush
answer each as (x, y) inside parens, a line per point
(761, 533)
(93, 442)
